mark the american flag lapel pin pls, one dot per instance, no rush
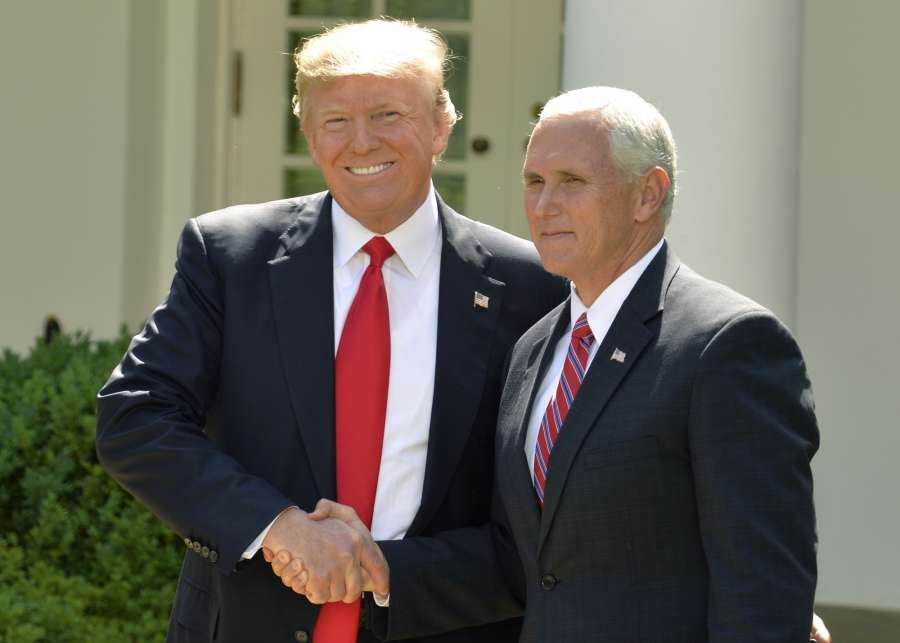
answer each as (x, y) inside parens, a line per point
(481, 300)
(617, 356)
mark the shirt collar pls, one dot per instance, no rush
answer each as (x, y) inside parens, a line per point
(413, 240)
(605, 308)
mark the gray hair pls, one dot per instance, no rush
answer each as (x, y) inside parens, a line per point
(639, 137)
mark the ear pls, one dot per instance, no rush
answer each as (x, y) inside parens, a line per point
(441, 134)
(653, 187)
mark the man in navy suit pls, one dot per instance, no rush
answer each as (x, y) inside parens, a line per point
(225, 415)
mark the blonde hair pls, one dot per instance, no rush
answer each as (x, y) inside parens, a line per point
(639, 136)
(380, 47)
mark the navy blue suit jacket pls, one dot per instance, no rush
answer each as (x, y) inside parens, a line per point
(678, 504)
(221, 413)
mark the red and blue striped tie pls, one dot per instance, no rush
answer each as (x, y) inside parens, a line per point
(569, 383)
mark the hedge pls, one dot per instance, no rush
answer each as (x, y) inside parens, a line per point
(80, 560)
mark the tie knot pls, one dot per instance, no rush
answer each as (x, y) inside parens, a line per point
(379, 249)
(582, 330)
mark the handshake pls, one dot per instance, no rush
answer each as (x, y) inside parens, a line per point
(327, 555)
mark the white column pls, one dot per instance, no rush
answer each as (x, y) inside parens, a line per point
(179, 129)
(62, 158)
(848, 308)
(143, 171)
(726, 77)
(822, 255)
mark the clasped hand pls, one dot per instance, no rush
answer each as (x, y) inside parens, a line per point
(328, 555)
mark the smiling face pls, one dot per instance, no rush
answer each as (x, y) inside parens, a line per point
(588, 223)
(374, 140)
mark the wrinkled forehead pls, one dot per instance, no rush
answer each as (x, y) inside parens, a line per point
(568, 140)
(369, 91)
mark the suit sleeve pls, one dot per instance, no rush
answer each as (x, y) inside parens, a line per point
(151, 417)
(456, 579)
(752, 435)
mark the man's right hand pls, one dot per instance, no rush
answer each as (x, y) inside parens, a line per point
(323, 558)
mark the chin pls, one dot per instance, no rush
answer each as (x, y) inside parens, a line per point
(554, 267)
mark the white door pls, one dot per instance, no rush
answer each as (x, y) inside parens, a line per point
(507, 60)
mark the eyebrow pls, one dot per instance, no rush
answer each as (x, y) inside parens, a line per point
(330, 109)
(530, 174)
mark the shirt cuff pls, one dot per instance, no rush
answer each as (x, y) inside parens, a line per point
(256, 545)
(381, 600)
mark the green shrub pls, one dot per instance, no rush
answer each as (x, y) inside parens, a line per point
(80, 560)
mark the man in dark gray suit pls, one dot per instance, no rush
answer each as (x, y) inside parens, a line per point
(677, 496)
(655, 430)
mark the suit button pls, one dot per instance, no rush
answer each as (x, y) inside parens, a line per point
(548, 582)
(301, 636)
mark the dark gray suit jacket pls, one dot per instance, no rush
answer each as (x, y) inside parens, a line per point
(678, 506)
(679, 503)
(221, 413)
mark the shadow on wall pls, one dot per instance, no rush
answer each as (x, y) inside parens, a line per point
(858, 625)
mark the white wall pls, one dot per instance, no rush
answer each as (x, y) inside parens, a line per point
(62, 160)
(725, 75)
(107, 144)
(848, 307)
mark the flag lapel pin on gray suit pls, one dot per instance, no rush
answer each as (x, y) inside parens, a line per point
(617, 356)
(481, 300)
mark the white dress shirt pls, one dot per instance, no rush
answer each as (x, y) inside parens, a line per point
(600, 317)
(411, 278)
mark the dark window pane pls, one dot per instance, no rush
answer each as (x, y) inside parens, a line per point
(452, 188)
(423, 9)
(300, 181)
(331, 8)
(458, 85)
(294, 142)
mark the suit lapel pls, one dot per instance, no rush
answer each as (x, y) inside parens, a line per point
(300, 277)
(515, 474)
(464, 341)
(538, 364)
(629, 334)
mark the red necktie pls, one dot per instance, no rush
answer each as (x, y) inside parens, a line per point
(569, 383)
(361, 370)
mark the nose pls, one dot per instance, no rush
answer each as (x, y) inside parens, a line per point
(364, 138)
(544, 202)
